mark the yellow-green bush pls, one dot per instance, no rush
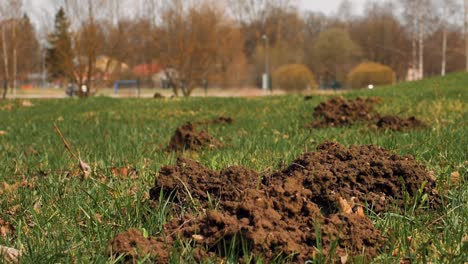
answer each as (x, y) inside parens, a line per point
(294, 77)
(370, 73)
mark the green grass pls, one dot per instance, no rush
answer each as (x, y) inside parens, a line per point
(67, 219)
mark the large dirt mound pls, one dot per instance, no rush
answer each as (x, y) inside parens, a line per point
(338, 112)
(187, 137)
(398, 123)
(322, 192)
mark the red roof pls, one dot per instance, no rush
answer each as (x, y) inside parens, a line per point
(146, 69)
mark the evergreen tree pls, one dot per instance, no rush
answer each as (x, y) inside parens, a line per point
(59, 56)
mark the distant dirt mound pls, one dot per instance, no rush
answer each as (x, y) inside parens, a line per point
(340, 112)
(322, 192)
(187, 137)
(223, 120)
(398, 123)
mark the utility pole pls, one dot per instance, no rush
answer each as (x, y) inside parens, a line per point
(266, 76)
(444, 40)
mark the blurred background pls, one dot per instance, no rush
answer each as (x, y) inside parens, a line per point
(59, 48)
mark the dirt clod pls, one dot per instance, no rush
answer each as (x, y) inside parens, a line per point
(321, 192)
(187, 137)
(133, 245)
(398, 123)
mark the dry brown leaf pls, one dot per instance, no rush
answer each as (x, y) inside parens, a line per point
(198, 238)
(360, 212)
(26, 103)
(344, 259)
(345, 207)
(85, 168)
(9, 255)
(3, 132)
(5, 228)
(7, 107)
(455, 177)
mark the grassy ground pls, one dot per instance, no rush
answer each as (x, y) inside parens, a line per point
(63, 218)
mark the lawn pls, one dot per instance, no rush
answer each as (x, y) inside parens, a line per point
(57, 216)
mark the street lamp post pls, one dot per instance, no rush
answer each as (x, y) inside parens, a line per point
(266, 76)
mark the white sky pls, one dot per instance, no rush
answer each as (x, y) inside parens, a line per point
(37, 8)
(330, 6)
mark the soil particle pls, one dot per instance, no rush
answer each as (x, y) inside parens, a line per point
(133, 245)
(340, 112)
(187, 137)
(398, 123)
(320, 192)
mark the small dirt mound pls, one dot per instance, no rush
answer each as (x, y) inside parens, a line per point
(158, 96)
(322, 192)
(340, 112)
(187, 137)
(398, 123)
(133, 246)
(223, 120)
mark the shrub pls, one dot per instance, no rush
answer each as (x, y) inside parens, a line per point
(294, 77)
(370, 73)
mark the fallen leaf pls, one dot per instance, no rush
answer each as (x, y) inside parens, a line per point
(5, 228)
(60, 119)
(360, 212)
(3, 132)
(7, 107)
(344, 206)
(344, 259)
(198, 238)
(26, 103)
(10, 255)
(455, 177)
(85, 168)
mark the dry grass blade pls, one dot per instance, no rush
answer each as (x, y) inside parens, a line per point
(65, 142)
(84, 167)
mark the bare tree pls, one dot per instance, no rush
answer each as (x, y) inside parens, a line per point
(466, 32)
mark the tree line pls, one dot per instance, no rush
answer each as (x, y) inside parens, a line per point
(227, 43)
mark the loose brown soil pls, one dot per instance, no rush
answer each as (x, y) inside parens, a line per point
(398, 123)
(133, 245)
(341, 112)
(187, 137)
(338, 112)
(322, 192)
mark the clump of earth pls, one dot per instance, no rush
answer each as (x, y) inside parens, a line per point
(322, 196)
(187, 137)
(338, 112)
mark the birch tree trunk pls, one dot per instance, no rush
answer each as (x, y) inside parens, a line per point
(414, 63)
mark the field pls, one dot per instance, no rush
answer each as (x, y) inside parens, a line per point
(55, 215)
